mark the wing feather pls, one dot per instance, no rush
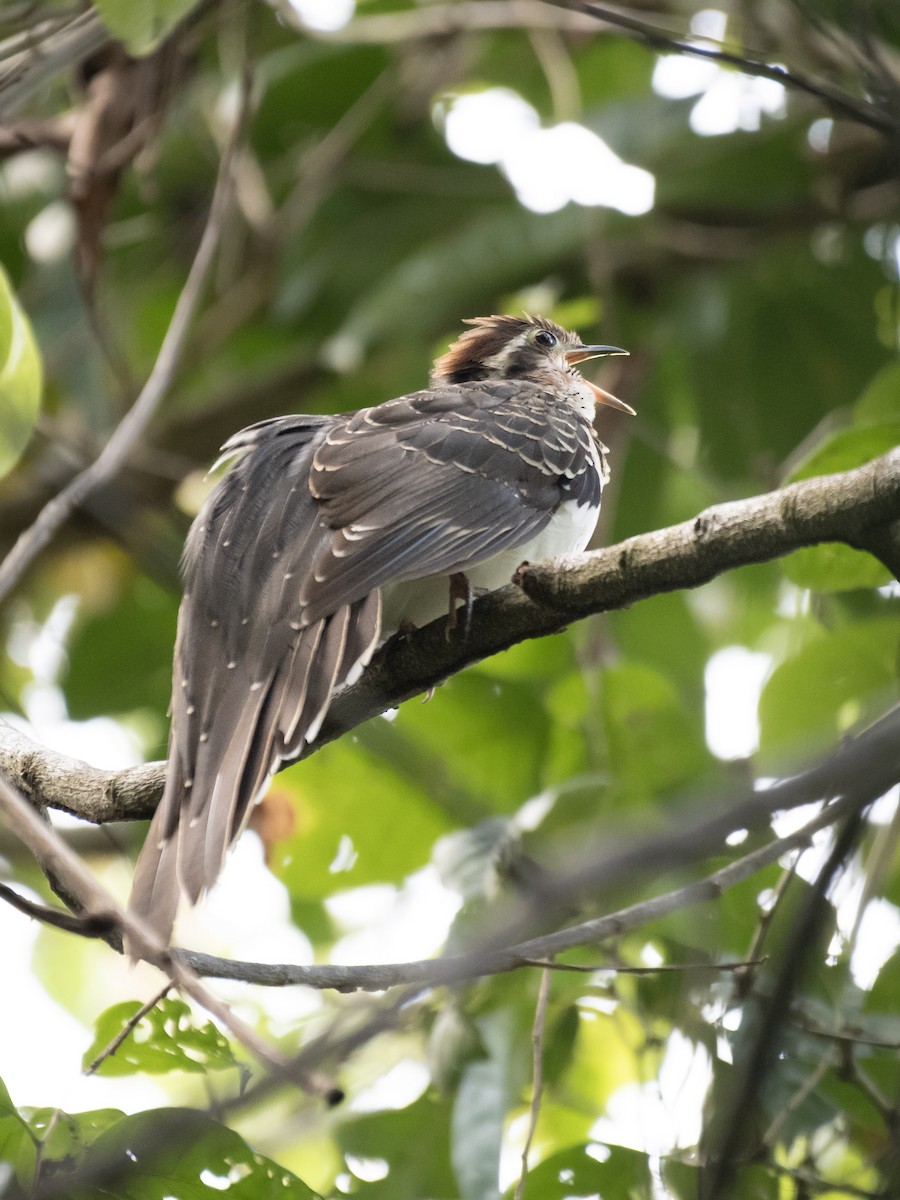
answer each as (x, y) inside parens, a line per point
(283, 569)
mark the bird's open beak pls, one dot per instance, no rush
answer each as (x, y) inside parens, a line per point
(581, 354)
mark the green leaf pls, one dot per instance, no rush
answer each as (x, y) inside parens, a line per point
(142, 24)
(65, 1136)
(414, 1142)
(880, 402)
(134, 624)
(180, 1152)
(20, 377)
(165, 1039)
(609, 1053)
(653, 743)
(833, 681)
(590, 1170)
(479, 1114)
(759, 393)
(359, 821)
(490, 731)
(560, 1043)
(835, 567)
(17, 1142)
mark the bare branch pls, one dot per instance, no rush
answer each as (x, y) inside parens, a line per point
(452, 969)
(34, 539)
(537, 1075)
(841, 103)
(59, 862)
(31, 59)
(126, 1031)
(55, 780)
(441, 20)
(846, 507)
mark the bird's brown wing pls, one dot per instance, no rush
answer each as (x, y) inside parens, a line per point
(438, 481)
(249, 681)
(282, 570)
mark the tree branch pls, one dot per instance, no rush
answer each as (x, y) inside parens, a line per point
(103, 913)
(852, 507)
(839, 102)
(859, 770)
(582, 16)
(453, 969)
(114, 454)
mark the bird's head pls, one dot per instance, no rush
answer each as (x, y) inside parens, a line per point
(527, 348)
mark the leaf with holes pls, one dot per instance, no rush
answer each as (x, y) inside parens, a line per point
(165, 1039)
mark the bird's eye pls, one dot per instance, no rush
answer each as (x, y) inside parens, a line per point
(544, 338)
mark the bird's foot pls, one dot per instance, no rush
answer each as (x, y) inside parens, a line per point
(460, 589)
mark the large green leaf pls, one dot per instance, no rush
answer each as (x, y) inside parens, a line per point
(490, 731)
(835, 567)
(590, 1170)
(20, 377)
(359, 821)
(413, 1142)
(832, 682)
(120, 655)
(180, 1152)
(653, 745)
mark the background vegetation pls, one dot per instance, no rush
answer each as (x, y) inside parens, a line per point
(758, 296)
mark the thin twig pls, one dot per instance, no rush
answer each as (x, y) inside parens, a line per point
(132, 426)
(809, 1085)
(127, 1029)
(537, 1074)
(838, 101)
(615, 969)
(722, 1156)
(57, 918)
(60, 862)
(435, 972)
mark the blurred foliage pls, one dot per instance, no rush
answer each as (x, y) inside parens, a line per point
(759, 299)
(20, 378)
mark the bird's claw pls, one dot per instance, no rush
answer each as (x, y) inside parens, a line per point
(460, 589)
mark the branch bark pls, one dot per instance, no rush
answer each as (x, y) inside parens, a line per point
(859, 507)
(435, 972)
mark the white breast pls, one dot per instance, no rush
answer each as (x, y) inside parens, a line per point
(568, 532)
(419, 601)
(422, 600)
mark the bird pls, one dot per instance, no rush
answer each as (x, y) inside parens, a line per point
(329, 532)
